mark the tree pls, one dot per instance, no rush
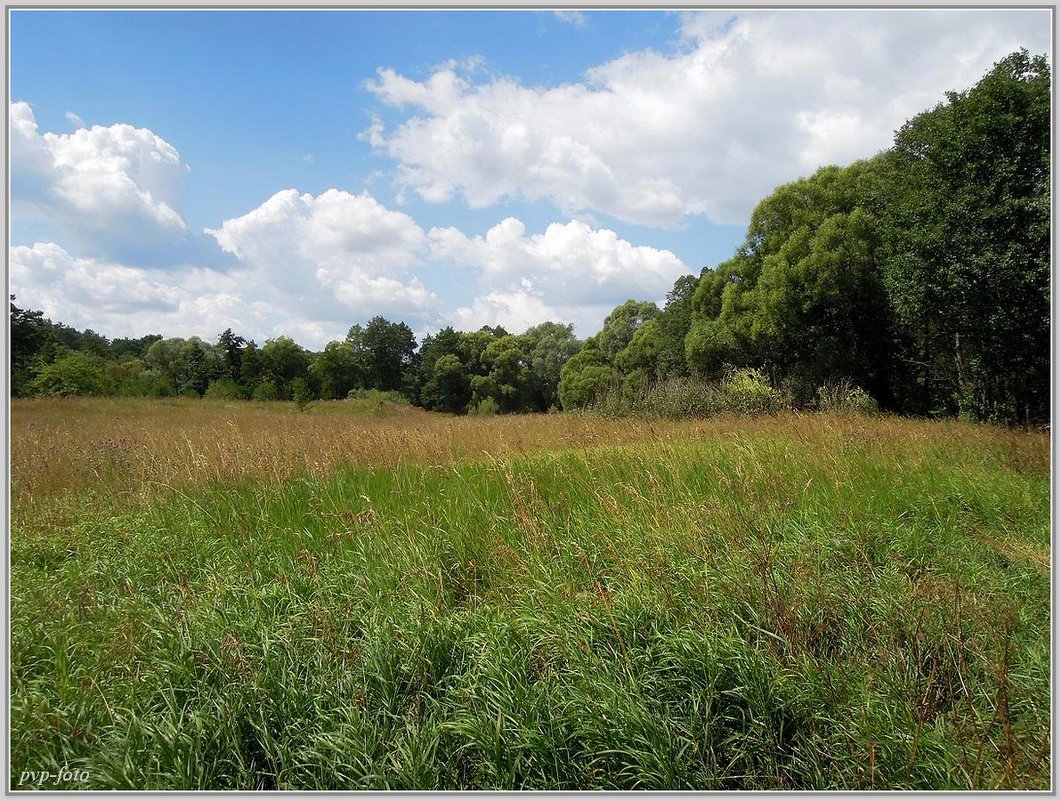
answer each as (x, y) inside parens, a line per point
(434, 347)
(387, 350)
(131, 348)
(472, 346)
(230, 348)
(967, 241)
(820, 312)
(251, 369)
(674, 324)
(621, 325)
(448, 386)
(300, 393)
(283, 360)
(164, 357)
(198, 364)
(584, 376)
(548, 347)
(31, 334)
(337, 370)
(803, 296)
(644, 351)
(508, 377)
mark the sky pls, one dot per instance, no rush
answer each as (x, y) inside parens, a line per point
(297, 172)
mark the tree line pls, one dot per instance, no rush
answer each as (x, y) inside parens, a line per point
(488, 370)
(920, 276)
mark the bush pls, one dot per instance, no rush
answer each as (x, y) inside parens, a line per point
(684, 397)
(747, 390)
(224, 389)
(847, 398)
(487, 408)
(301, 394)
(675, 397)
(378, 395)
(376, 400)
(73, 373)
(266, 391)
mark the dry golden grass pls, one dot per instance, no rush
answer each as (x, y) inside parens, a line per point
(120, 446)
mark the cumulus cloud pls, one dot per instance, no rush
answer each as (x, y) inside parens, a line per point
(570, 263)
(117, 300)
(341, 257)
(519, 309)
(111, 191)
(337, 256)
(742, 102)
(310, 266)
(571, 272)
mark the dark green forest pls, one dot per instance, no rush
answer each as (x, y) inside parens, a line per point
(917, 281)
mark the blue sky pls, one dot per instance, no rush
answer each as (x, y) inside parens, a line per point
(295, 172)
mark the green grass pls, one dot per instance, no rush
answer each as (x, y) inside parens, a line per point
(753, 611)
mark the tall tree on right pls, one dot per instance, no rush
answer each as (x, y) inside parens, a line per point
(965, 206)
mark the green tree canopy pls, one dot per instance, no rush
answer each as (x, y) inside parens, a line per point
(386, 350)
(283, 360)
(548, 346)
(585, 375)
(73, 373)
(448, 386)
(620, 326)
(967, 236)
(337, 370)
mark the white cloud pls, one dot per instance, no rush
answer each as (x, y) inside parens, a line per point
(743, 102)
(570, 273)
(117, 300)
(310, 266)
(517, 310)
(576, 18)
(338, 258)
(50, 273)
(112, 191)
(333, 257)
(75, 120)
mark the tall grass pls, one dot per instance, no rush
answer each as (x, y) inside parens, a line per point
(798, 602)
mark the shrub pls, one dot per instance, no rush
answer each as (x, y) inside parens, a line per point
(376, 400)
(747, 390)
(300, 394)
(266, 391)
(487, 408)
(224, 389)
(847, 398)
(73, 373)
(382, 396)
(674, 397)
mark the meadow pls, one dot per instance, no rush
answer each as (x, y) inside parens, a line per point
(233, 595)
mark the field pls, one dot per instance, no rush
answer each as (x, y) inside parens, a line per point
(211, 595)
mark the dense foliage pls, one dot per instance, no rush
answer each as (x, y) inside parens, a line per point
(919, 278)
